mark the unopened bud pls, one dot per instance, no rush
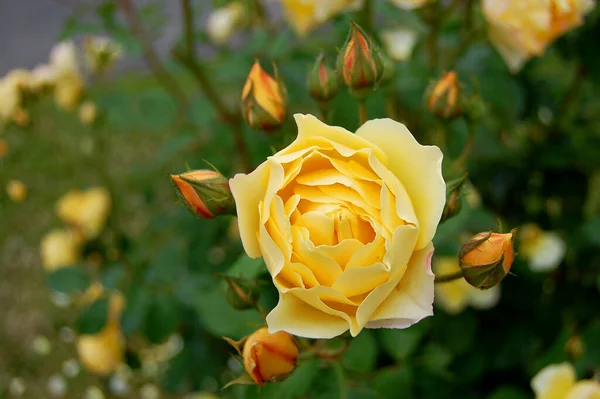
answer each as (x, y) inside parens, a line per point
(205, 192)
(575, 347)
(444, 97)
(101, 53)
(359, 63)
(241, 294)
(453, 197)
(263, 99)
(486, 258)
(269, 357)
(322, 82)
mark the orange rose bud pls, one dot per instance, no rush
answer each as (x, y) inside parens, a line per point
(359, 63)
(444, 97)
(322, 82)
(269, 357)
(263, 99)
(205, 192)
(486, 258)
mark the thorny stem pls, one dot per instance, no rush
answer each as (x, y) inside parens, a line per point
(448, 277)
(188, 59)
(362, 112)
(459, 163)
(158, 70)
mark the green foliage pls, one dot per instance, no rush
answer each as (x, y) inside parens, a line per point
(534, 160)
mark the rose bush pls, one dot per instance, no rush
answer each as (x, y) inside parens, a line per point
(345, 222)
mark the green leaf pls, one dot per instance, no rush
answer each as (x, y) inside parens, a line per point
(247, 267)
(69, 280)
(401, 344)
(162, 319)
(113, 275)
(394, 383)
(509, 392)
(436, 359)
(93, 319)
(362, 352)
(222, 320)
(132, 319)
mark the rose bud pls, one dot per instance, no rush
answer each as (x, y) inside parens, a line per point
(359, 63)
(486, 258)
(263, 100)
(443, 97)
(205, 192)
(241, 294)
(453, 197)
(269, 357)
(322, 82)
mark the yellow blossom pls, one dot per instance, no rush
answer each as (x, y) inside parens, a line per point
(68, 88)
(522, 29)
(306, 15)
(59, 248)
(558, 381)
(16, 190)
(344, 222)
(88, 112)
(101, 53)
(86, 210)
(454, 296)
(544, 250)
(222, 22)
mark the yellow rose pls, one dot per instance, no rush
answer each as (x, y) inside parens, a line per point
(16, 190)
(544, 250)
(399, 42)
(454, 296)
(11, 93)
(59, 248)
(101, 53)
(86, 210)
(522, 29)
(306, 15)
(558, 381)
(345, 222)
(68, 81)
(103, 352)
(409, 4)
(222, 22)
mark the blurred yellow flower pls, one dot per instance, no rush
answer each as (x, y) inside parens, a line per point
(100, 53)
(16, 190)
(87, 210)
(43, 76)
(454, 296)
(399, 43)
(409, 4)
(558, 381)
(103, 352)
(306, 15)
(69, 82)
(88, 112)
(12, 87)
(544, 250)
(222, 22)
(59, 248)
(522, 29)
(201, 395)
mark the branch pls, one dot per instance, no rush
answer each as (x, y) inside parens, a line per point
(137, 29)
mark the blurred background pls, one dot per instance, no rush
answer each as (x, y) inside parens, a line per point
(94, 243)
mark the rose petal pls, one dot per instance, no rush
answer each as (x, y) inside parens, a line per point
(412, 299)
(417, 167)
